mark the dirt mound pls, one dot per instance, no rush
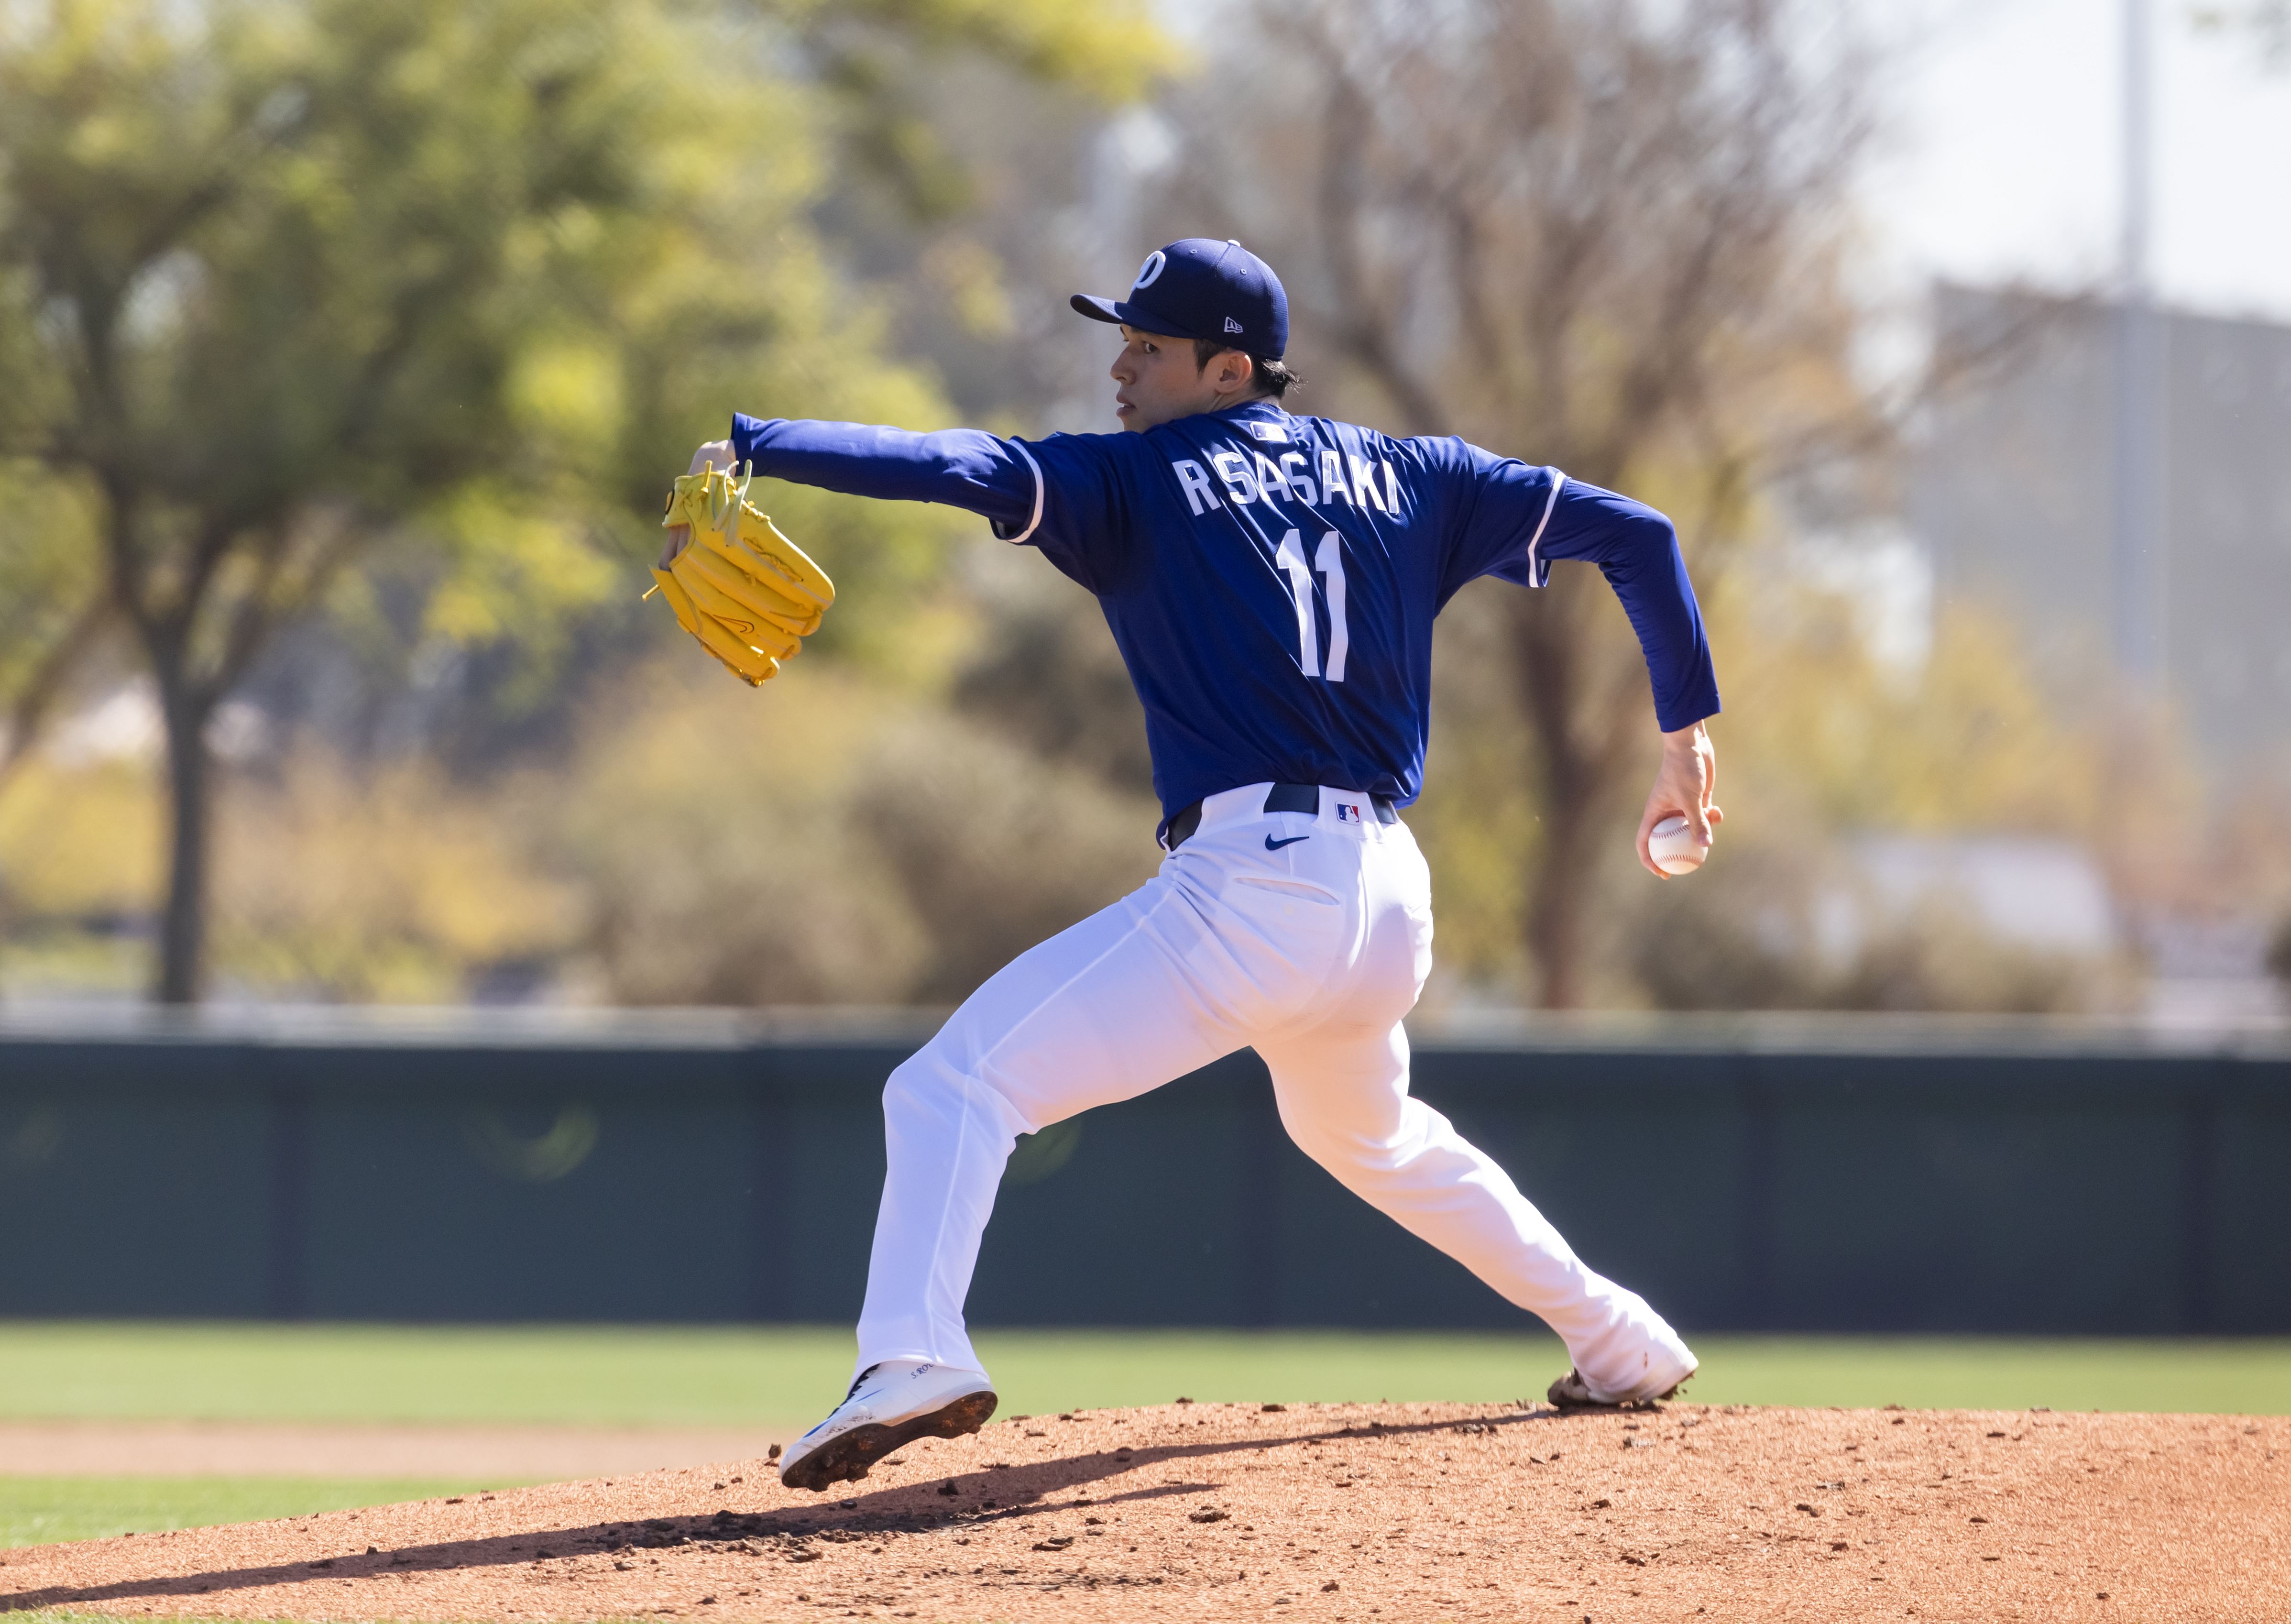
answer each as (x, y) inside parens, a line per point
(1214, 1511)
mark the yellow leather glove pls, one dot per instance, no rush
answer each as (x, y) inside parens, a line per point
(746, 591)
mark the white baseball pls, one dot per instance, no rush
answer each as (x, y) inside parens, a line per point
(1673, 848)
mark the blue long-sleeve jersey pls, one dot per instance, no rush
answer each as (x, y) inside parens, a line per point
(1271, 580)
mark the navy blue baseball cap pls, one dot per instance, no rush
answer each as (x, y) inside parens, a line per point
(1202, 288)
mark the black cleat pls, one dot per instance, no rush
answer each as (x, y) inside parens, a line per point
(891, 1404)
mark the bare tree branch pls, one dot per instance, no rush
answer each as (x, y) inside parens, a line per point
(45, 684)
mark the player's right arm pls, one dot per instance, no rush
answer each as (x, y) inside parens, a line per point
(1636, 549)
(997, 480)
(1514, 518)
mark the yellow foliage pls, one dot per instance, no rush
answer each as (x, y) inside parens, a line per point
(519, 570)
(969, 277)
(80, 840)
(568, 395)
(390, 885)
(1973, 742)
(1111, 49)
(676, 723)
(713, 838)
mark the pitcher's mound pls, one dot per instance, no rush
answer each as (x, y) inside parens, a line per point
(1324, 1512)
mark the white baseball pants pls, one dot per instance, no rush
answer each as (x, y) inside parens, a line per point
(1306, 936)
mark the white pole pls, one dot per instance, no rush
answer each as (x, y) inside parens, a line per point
(2138, 563)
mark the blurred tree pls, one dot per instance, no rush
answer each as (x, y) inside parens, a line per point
(293, 271)
(972, 185)
(1045, 845)
(1050, 679)
(1603, 233)
(877, 54)
(54, 607)
(381, 676)
(282, 281)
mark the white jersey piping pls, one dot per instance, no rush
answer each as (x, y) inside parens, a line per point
(1041, 490)
(1538, 571)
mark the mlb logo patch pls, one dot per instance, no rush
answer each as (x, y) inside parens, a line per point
(1346, 813)
(1275, 433)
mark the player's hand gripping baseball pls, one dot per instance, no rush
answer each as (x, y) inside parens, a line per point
(1682, 787)
(715, 454)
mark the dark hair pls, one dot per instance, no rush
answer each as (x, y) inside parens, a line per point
(1272, 378)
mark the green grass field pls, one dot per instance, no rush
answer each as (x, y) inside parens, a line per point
(786, 1378)
(50, 1510)
(775, 1377)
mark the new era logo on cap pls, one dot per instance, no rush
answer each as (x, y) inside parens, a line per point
(1201, 289)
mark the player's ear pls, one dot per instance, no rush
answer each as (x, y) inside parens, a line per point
(1235, 372)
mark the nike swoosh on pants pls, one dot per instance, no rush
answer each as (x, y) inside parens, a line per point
(1273, 845)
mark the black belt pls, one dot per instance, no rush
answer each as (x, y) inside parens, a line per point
(1179, 828)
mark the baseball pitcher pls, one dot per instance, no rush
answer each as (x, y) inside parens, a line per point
(1271, 581)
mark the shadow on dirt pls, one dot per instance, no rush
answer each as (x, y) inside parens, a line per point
(999, 1492)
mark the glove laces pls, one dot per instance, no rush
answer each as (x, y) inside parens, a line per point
(725, 501)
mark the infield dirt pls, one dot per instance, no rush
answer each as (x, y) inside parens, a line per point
(1314, 1512)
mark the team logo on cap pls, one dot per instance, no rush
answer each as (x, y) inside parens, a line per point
(1150, 270)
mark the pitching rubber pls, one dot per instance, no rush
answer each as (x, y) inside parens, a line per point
(849, 1457)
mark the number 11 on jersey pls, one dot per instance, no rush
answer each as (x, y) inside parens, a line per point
(1330, 560)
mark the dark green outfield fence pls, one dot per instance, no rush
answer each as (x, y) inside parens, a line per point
(707, 1169)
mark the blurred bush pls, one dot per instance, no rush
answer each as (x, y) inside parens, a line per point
(707, 826)
(388, 884)
(78, 841)
(823, 840)
(997, 850)
(1786, 922)
(79, 862)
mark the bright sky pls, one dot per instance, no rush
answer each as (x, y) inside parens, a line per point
(2002, 157)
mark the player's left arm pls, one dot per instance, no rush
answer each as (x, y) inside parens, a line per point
(1636, 549)
(964, 468)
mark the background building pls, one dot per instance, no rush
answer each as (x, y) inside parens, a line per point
(2013, 495)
